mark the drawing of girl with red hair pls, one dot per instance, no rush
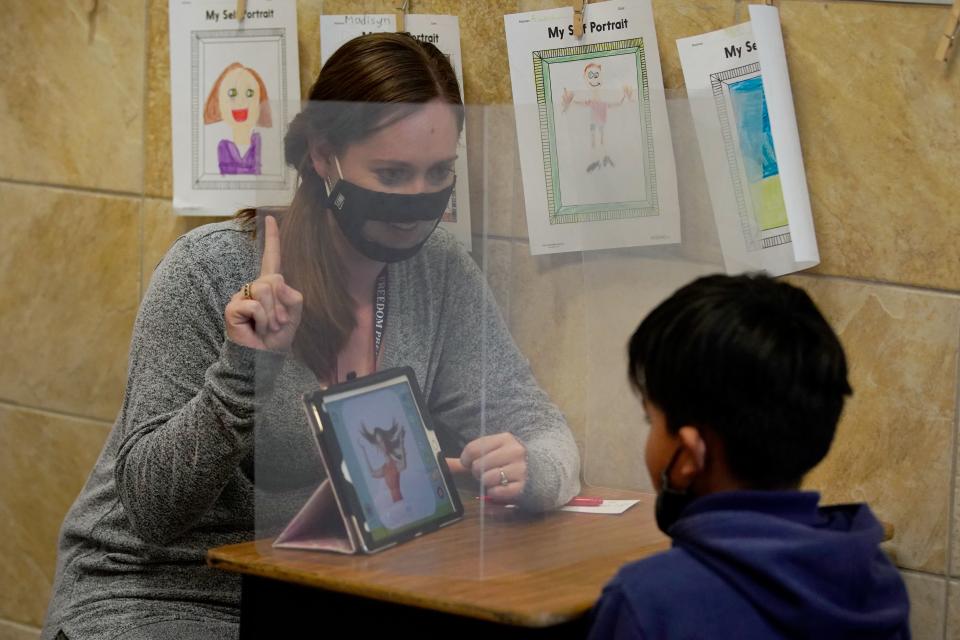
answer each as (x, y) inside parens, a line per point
(239, 98)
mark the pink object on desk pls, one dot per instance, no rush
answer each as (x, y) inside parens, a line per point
(578, 501)
(584, 501)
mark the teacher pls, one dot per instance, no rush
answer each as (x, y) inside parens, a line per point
(242, 317)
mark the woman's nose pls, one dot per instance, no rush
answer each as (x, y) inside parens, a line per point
(419, 184)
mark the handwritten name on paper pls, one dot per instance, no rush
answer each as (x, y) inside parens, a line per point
(374, 21)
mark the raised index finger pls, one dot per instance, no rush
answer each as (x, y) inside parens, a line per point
(271, 247)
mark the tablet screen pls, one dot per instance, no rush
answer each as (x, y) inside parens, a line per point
(389, 457)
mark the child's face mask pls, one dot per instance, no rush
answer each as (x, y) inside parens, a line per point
(385, 227)
(670, 502)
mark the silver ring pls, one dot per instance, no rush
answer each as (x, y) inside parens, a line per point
(504, 480)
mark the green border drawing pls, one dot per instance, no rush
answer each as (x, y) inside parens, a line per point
(558, 212)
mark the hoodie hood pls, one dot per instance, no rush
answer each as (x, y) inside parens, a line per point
(804, 568)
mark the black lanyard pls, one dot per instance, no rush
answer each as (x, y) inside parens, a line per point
(379, 313)
(379, 322)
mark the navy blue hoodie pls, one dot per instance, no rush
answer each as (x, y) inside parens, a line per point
(760, 564)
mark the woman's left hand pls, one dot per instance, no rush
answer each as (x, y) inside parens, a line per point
(499, 462)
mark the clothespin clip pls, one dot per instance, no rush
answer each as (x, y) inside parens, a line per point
(951, 31)
(241, 10)
(401, 16)
(578, 9)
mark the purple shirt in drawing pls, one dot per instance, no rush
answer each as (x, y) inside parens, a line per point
(231, 163)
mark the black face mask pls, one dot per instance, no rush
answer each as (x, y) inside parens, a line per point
(670, 502)
(355, 208)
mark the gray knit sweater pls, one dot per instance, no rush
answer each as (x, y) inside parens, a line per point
(175, 476)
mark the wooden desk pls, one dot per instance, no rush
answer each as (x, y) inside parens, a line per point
(498, 570)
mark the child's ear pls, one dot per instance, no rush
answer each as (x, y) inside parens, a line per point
(694, 457)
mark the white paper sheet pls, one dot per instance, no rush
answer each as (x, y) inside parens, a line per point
(609, 507)
(595, 150)
(739, 92)
(444, 33)
(228, 123)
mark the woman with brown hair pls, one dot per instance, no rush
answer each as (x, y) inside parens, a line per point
(242, 318)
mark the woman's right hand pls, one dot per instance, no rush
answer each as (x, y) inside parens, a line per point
(269, 317)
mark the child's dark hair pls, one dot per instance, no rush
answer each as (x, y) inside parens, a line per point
(752, 359)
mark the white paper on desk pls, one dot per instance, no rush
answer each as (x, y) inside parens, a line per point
(444, 33)
(742, 105)
(228, 124)
(595, 149)
(609, 507)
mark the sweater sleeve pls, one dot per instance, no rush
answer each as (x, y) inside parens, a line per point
(188, 412)
(484, 385)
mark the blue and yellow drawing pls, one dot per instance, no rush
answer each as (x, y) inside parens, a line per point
(756, 147)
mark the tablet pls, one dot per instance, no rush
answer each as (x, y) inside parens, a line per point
(383, 459)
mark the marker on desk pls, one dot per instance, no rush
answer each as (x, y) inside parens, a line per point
(579, 501)
(584, 501)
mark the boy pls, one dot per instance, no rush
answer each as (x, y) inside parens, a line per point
(743, 382)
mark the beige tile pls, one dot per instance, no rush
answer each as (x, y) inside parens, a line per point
(486, 76)
(927, 598)
(495, 258)
(891, 447)
(571, 315)
(13, 631)
(955, 531)
(45, 460)
(543, 301)
(161, 227)
(681, 20)
(72, 93)
(698, 228)
(69, 274)
(471, 143)
(308, 32)
(879, 139)
(953, 611)
(158, 179)
(495, 173)
(621, 287)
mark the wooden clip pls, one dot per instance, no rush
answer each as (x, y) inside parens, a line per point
(402, 11)
(578, 9)
(951, 31)
(241, 10)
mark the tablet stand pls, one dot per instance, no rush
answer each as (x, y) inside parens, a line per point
(320, 525)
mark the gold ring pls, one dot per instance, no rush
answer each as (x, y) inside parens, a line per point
(504, 480)
(246, 292)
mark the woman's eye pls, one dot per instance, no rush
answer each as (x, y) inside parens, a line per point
(439, 175)
(249, 93)
(232, 92)
(391, 176)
